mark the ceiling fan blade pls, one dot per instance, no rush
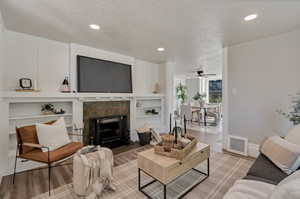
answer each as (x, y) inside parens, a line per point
(209, 74)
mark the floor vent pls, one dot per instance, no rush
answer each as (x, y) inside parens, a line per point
(237, 145)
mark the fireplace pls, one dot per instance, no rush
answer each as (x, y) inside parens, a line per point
(111, 131)
(106, 123)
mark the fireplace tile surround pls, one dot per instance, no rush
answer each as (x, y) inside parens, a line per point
(103, 109)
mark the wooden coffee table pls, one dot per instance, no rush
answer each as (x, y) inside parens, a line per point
(165, 170)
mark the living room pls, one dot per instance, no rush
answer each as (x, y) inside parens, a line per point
(79, 75)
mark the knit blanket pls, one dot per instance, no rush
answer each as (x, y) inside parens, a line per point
(93, 171)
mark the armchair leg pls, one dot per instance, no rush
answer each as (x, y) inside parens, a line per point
(49, 178)
(15, 170)
(16, 157)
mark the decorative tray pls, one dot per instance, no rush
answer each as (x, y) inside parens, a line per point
(168, 147)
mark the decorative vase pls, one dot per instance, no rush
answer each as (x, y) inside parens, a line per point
(156, 88)
(65, 88)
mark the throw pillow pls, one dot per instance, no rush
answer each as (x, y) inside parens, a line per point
(53, 136)
(293, 135)
(282, 153)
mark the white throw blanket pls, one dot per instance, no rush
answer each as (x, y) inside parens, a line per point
(93, 171)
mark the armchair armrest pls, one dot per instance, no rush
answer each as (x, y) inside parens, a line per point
(76, 134)
(34, 145)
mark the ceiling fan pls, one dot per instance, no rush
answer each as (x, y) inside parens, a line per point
(199, 72)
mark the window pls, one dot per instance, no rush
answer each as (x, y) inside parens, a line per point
(215, 91)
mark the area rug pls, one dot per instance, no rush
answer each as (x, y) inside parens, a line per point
(225, 169)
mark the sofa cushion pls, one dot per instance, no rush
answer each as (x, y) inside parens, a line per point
(288, 188)
(249, 189)
(58, 154)
(263, 168)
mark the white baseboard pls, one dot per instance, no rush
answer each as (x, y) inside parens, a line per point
(253, 150)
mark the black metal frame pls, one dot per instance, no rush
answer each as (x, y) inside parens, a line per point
(49, 165)
(141, 187)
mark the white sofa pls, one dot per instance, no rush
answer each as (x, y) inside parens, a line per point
(289, 188)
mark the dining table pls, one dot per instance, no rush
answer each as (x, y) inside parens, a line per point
(204, 108)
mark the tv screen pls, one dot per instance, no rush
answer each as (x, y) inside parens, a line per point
(102, 76)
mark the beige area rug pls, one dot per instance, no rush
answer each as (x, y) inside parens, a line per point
(225, 169)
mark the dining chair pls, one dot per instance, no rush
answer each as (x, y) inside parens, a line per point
(186, 110)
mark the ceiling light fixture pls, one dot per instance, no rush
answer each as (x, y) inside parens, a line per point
(160, 49)
(94, 26)
(250, 17)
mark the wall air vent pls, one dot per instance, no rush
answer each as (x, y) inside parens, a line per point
(237, 145)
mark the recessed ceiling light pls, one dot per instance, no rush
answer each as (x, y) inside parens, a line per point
(250, 17)
(160, 49)
(94, 26)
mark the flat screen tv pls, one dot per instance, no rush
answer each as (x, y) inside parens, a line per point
(102, 76)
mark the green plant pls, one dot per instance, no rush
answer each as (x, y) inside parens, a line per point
(294, 110)
(181, 91)
(199, 97)
(215, 99)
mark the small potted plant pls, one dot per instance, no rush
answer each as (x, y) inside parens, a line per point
(294, 113)
(200, 98)
(181, 93)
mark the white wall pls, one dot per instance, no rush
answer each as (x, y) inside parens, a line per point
(147, 76)
(3, 108)
(193, 86)
(1, 54)
(168, 70)
(50, 61)
(37, 58)
(261, 76)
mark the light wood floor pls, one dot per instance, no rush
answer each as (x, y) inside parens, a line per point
(32, 183)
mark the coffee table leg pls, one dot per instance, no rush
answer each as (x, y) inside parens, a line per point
(139, 179)
(208, 167)
(165, 191)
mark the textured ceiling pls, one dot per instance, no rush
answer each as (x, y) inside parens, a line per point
(190, 30)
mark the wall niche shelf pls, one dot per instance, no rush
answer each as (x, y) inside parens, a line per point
(144, 104)
(40, 116)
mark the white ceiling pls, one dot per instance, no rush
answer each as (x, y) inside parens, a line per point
(190, 30)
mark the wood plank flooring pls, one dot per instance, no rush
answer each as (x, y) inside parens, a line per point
(32, 183)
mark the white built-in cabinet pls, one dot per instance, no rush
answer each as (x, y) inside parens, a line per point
(25, 109)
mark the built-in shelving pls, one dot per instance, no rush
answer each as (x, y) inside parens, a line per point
(144, 104)
(149, 116)
(26, 112)
(39, 116)
(149, 107)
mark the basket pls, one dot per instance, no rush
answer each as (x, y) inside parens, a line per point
(144, 136)
(171, 149)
